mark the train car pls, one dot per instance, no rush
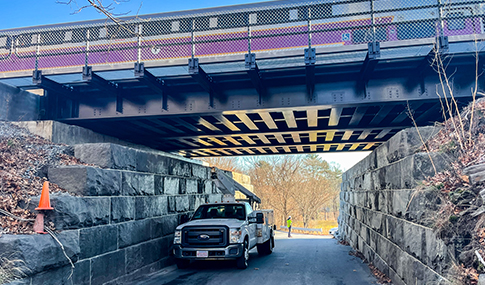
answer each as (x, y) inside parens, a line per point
(260, 27)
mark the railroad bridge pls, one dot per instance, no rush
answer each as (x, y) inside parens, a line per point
(280, 77)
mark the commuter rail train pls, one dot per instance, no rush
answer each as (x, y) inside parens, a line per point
(259, 27)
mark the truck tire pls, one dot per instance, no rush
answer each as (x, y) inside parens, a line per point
(266, 247)
(242, 262)
(182, 263)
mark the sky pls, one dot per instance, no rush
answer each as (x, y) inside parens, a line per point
(26, 13)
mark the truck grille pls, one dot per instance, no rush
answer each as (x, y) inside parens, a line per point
(201, 236)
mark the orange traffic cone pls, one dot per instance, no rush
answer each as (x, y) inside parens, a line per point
(44, 203)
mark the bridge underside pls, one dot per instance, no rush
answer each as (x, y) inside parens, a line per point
(346, 101)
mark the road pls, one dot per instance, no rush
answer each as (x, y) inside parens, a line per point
(302, 259)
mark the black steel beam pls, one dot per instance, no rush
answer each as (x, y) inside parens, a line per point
(45, 83)
(154, 83)
(204, 80)
(97, 81)
(310, 60)
(370, 62)
(254, 74)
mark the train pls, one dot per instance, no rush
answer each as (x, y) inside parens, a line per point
(250, 28)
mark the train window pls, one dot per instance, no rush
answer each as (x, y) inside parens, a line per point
(294, 14)
(122, 32)
(186, 25)
(275, 16)
(25, 40)
(233, 20)
(201, 24)
(417, 30)
(52, 37)
(78, 35)
(153, 28)
(213, 22)
(320, 11)
(455, 24)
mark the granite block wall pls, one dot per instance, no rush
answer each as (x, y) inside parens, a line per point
(387, 214)
(117, 219)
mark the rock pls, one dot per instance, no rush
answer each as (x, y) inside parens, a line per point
(87, 181)
(107, 155)
(98, 240)
(134, 183)
(108, 267)
(151, 162)
(408, 141)
(122, 209)
(76, 212)
(134, 232)
(41, 252)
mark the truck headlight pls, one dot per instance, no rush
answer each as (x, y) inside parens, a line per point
(235, 235)
(177, 237)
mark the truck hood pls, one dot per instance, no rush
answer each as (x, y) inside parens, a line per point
(231, 223)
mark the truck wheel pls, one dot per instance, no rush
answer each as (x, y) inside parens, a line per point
(266, 247)
(182, 263)
(242, 262)
(270, 245)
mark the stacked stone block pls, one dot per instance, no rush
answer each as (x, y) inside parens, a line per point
(116, 222)
(387, 214)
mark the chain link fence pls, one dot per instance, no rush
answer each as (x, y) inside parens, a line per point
(265, 29)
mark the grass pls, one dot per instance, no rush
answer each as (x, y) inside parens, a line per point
(10, 270)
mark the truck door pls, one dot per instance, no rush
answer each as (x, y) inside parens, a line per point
(251, 227)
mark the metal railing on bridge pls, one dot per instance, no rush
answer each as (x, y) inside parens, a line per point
(245, 29)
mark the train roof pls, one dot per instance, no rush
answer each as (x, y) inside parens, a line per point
(176, 14)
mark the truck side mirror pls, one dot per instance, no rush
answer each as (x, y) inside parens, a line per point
(259, 218)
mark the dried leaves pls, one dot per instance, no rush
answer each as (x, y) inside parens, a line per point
(22, 160)
(455, 220)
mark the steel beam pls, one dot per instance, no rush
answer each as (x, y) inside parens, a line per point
(156, 84)
(254, 74)
(39, 80)
(204, 80)
(310, 60)
(247, 121)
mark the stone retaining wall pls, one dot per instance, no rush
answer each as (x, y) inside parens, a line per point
(386, 217)
(115, 222)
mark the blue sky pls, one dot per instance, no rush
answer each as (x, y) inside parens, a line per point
(26, 13)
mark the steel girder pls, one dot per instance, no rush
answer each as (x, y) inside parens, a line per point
(271, 106)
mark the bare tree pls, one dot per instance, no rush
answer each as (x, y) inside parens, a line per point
(274, 180)
(224, 163)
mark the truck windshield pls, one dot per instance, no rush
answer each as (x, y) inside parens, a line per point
(219, 212)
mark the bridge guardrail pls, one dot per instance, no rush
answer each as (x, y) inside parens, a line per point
(304, 230)
(261, 28)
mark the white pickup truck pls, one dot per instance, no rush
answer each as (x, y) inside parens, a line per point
(224, 231)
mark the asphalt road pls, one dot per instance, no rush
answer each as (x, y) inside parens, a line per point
(302, 259)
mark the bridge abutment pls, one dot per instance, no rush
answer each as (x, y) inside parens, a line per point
(117, 218)
(386, 213)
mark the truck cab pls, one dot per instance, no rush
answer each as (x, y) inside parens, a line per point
(224, 231)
